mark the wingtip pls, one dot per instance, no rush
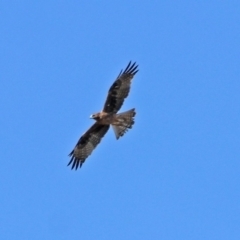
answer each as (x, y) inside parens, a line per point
(76, 163)
(131, 68)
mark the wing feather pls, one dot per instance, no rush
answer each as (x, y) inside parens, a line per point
(120, 89)
(86, 144)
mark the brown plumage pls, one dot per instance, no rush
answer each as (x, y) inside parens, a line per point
(108, 116)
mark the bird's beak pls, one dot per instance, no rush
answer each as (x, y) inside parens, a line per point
(91, 116)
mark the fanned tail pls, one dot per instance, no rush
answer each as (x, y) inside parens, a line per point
(124, 121)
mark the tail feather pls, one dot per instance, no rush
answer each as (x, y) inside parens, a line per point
(124, 121)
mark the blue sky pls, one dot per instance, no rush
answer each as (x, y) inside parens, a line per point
(175, 175)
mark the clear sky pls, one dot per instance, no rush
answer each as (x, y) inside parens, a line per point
(175, 175)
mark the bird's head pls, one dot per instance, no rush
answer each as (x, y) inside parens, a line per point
(95, 116)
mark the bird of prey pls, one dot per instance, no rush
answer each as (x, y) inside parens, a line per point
(120, 122)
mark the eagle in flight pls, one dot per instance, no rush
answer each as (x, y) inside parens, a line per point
(120, 122)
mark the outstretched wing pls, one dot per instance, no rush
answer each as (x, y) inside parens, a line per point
(88, 141)
(120, 89)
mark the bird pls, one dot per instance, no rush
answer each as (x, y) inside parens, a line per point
(120, 122)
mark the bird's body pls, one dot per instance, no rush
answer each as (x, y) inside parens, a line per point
(104, 118)
(120, 122)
